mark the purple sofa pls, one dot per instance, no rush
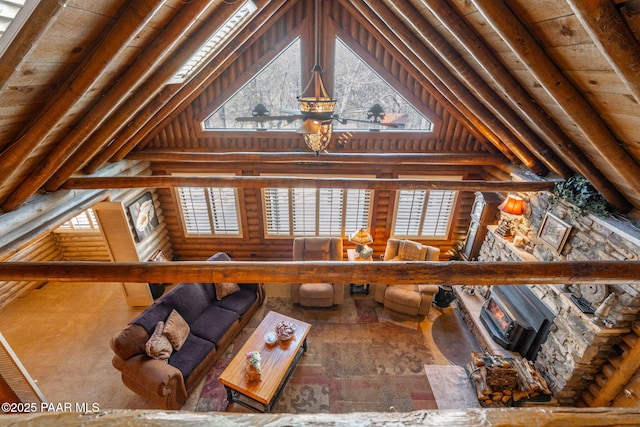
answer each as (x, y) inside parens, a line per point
(213, 324)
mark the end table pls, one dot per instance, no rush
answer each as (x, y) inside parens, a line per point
(355, 288)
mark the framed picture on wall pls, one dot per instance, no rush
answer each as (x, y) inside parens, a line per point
(554, 232)
(143, 215)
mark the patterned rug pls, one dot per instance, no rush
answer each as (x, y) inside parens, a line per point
(356, 361)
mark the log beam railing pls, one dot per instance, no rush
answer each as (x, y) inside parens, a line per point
(600, 144)
(155, 181)
(42, 18)
(519, 98)
(396, 272)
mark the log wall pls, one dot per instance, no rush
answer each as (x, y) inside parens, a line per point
(45, 248)
(254, 246)
(27, 234)
(81, 246)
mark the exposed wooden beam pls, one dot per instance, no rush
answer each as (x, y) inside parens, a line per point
(613, 37)
(13, 160)
(476, 417)
(449, 100)
(159, 111)
(307, 157)
(394, 272)
(42, 18)
(600, 144)
(475, 84)
(155, 181)
(77, 146)
(520, 99)
(391, 27)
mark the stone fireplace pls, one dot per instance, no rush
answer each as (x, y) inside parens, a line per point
(578, 343)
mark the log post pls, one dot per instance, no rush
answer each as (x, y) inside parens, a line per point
(519, 98)
(599, 142)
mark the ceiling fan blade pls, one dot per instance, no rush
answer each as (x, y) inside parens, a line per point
(290, 118)
(344, 121)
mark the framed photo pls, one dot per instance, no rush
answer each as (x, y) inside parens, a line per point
(143, 215)
(554, 232)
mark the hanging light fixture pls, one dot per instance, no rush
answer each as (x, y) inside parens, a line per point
(316, 105)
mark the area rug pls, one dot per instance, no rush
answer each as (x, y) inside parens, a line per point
(355, 362)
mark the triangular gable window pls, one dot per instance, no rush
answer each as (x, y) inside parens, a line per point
(277, 86)
(358, 88)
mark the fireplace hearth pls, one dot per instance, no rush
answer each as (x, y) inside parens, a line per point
(516, 319)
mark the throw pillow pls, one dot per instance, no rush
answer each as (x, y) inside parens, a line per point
(176, 329)
(158, 346)
(226, 289)
(409, 250)
(316, 249)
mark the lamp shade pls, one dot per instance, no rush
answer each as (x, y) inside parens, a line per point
(361, 237)
(513, 205)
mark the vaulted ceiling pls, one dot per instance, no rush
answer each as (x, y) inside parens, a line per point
(548, 86)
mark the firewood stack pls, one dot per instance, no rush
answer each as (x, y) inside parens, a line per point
(501, 382)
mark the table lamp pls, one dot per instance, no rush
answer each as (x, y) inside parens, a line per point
(512, 205)
(362, 238)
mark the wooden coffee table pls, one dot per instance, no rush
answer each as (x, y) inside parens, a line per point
(278, 363)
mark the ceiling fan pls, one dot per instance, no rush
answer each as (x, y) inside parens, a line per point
(316, 107)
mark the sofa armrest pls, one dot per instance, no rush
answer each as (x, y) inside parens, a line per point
(154, 380)
(129, 341)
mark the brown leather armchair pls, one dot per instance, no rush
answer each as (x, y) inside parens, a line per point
(317, 249)
(409, 299)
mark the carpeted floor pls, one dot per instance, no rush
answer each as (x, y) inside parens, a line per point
(359, 358)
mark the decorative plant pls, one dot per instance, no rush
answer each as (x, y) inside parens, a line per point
(254, 359)
(578, 191)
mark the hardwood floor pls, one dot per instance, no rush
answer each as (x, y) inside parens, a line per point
(61, 334)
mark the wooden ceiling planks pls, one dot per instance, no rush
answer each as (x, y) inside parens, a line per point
(565, 34)
(519, 98)
(597, 141)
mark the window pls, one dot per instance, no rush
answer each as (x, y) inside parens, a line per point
(424, 214)
(278, 84)
(86, 221)
(228, 29)
(209, 211)
(358, 87)
(276, 87)
(293, 212)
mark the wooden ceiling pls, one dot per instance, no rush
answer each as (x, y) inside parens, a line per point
(548, 86)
